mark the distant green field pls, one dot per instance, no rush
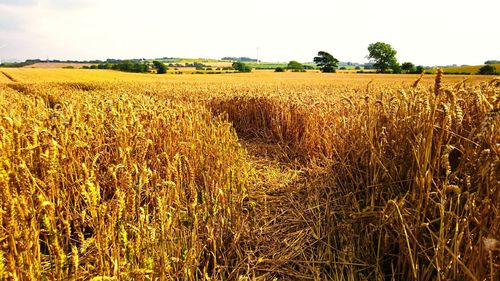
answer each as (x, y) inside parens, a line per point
(273, 65)
(224, 63)
(266, 65)
(471, 69)
(255, 65)
(192, 60)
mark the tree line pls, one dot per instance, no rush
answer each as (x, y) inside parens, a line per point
(132, 66)
(381, 55)
(383, 58)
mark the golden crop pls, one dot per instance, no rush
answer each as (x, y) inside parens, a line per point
(119, 176)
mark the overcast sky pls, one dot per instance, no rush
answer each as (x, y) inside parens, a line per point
(428, 32)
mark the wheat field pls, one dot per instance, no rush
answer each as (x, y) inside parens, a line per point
(264, 176)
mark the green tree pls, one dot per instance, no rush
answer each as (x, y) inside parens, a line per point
(408, 67)
(420, 69)
(161, 68)
(487, 70)
(279, 69)
(396, 68)
(326, 62)
(241, 67)
(383, 56)
(295, 66)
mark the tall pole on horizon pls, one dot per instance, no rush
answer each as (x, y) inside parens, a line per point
(258, 54)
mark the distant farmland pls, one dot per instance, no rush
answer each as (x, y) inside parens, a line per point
(472, 69)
